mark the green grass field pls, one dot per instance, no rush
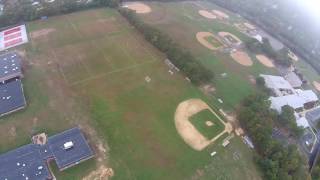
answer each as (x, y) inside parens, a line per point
(90, 71)
(199, 122)
(214, 41)
(182, 21)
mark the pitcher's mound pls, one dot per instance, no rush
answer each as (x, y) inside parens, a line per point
(139, 7)
(207, 14)
(241, 58)
(316, 85)
(208, 40)
(220, 14)
(265, 60)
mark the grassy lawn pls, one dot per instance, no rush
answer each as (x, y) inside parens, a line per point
(199, 121)
(182, 21)
(90, 71)
(213, 41)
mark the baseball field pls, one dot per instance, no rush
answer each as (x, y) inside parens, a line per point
(94, 70)
(184, 21)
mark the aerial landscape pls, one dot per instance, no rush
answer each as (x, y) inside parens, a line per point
(107, 89)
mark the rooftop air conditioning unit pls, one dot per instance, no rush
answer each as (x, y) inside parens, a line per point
(68, 145)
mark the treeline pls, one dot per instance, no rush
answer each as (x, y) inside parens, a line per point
(280, 57)
(181, 58)
(22, 10)
(276, 161)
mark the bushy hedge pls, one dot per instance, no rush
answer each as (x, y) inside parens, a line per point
(23, 10)
(180, 57)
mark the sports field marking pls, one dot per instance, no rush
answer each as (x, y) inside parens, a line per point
(144, 47)
(55, 59)
(108, 73)
(84, 64)
(187, 130)
(107, 60)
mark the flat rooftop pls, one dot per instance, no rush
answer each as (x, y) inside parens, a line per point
(30, 162)
(10, 66)
(11, 96)
(65, 158)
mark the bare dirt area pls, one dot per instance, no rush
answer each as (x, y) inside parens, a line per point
(102, 173)
(207, 14)
(202, 38)
(265, 60)
(316, 85)
(186, 129)
(242, 58)
(139, 7)
(220, 14)
(41, 33)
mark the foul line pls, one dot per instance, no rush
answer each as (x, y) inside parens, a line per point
(111, 72)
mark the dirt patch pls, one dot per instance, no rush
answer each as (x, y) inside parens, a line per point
(13, 131)
(41, 33)
(265, 60)
(186, 129)
(209, 123)
(207, 14)
(241, 58)
(138, 7)
(202, 38)
(220, 14)
(252, 79)
(207, 89)
(102, 173)
(316, 85)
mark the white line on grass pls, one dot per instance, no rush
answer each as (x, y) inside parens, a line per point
(111, 72)
(55, 58)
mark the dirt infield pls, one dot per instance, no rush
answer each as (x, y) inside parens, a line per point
(139, 7)
(316, 85)
(41, 33)
(102, 173)
(207, 14)
(202, 38)
(186, 129)
(226, 34)
(220, 14)
(265, 60)
(241, 58)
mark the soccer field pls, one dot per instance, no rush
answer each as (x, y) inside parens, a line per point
(94, 70)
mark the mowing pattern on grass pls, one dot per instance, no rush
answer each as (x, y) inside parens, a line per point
(199, 121)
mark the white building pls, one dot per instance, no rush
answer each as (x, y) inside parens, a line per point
(278, 85)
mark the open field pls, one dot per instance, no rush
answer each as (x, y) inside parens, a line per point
(182, 21)
(89, 69)
(207, 123)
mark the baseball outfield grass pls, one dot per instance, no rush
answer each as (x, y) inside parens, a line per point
(88, 69)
